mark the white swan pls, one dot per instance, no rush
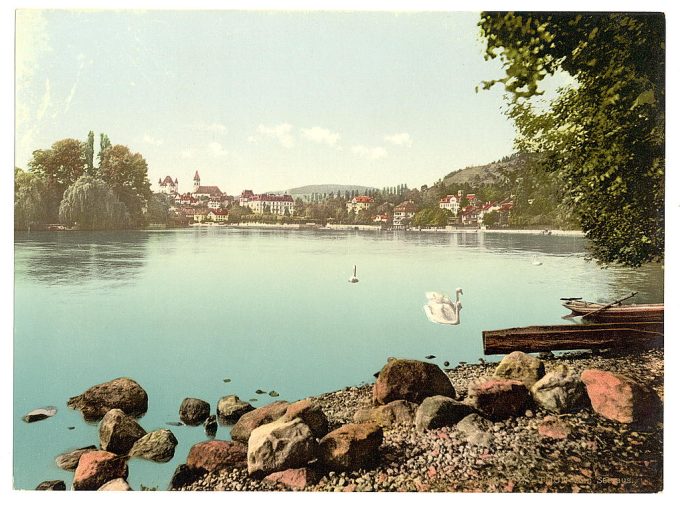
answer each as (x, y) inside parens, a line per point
(440, 309)
(353, 278)
(535, 261)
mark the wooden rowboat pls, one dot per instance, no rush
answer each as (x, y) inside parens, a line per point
(598, 312)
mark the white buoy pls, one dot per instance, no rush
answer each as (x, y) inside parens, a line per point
(353, 278)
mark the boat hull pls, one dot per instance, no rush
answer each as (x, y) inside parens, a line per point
(616, 313)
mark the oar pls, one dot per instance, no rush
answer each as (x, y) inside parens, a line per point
(609, 305)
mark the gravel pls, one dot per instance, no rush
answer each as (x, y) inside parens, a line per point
(599, 455)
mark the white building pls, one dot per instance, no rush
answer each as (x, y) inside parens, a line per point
(402, 213)
(167, 186)
(451, 203)
(268, 203)
(359, 203)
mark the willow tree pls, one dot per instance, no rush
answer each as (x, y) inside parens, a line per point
(90, 204)
(31, 200)
(605, 135)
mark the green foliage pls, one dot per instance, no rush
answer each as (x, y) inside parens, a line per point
(89, 153)
(91, 205)
(31, 200)
(604, 138)
(61, 165)
(126, 174)
(491, 218)
(431, 217)
(157, 209)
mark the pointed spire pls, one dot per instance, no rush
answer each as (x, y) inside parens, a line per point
(196, 177)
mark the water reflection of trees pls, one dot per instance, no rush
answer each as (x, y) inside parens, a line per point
(78, 257)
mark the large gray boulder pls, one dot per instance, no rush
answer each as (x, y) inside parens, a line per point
(120, 393)
(280, 445)
(193, 411)
(253, 419)
(522, 367)
(397, 412)
(410, 380)
(158, 446)
(560, 391)
(230, 408)
(440, 411)
(118, 432)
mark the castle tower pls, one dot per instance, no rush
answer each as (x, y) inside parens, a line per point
(197, 181)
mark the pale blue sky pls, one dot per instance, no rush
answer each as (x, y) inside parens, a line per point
(264, 100)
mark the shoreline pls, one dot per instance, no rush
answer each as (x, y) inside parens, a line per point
(599, 455)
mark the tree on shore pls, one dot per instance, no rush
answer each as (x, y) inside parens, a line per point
(59, 166)
(91, 205)
(31, 200)
(605, 136)
(126, 174)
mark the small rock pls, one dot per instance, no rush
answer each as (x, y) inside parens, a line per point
(311, 414)
(227, 380)
(498, 398)
(296, 479)
(118, 432)
(39, 414)
(194, 411)
(439, 411)
(230, 408)
(430, 357)
(553, 428)
(215, 455)
(119, 484)
(158, 446)
(352, 446)
(273, 393)
(253, 419)
(185, 475)
(522, 367)
(210, 426)
(411, 380)
(446, 363)
(259, 391)
(51, 485)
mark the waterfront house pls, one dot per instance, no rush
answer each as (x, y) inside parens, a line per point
(451, 202)
(217, 215)
(276, 204)
(359, 203)
(403, 213)
(470, 215)
(381, 219)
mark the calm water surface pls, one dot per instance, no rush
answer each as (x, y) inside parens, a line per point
(181, 310)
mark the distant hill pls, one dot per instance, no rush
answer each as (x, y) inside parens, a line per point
(307, 190)
(487, 173)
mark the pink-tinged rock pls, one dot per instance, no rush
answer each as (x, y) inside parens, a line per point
(352, 446)
(411, 380)
(498, 398)
(311, 414)
(250, 421)
(97, 468)
(120, 393)
(554, 428)
(620, 398)
(216, 454)
(297, 479)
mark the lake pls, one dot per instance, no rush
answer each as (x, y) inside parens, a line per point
(180, 311)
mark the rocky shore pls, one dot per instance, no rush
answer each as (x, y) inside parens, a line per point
(536, 451)
(577, 422)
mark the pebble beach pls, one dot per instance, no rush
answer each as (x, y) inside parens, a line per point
(535, 452)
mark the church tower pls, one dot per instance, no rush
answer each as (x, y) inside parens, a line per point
(197, 181)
